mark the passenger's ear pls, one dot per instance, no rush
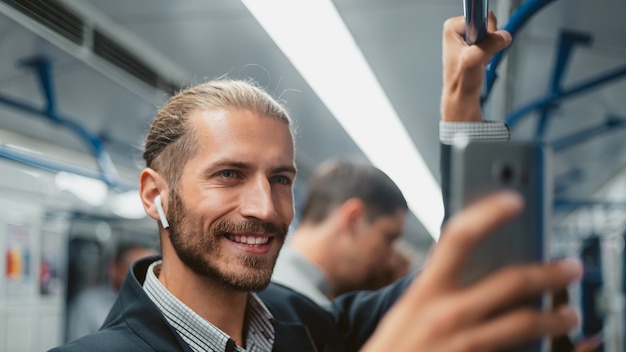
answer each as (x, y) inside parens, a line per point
(153, 191)
(352, 214)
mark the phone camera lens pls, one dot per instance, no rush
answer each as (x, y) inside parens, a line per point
(506, 174)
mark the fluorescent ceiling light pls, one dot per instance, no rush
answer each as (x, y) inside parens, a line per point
(314, 38)
(128, 205)
(96, 193)
(89, 190)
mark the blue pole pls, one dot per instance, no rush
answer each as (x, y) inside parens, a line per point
(567, 41)
(517, 20)
(546, 102)
(610, 124)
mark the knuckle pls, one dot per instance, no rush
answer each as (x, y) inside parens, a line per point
(450, 25)
(522, 279)
(470, 345)
(530, 321)
(466, 343)
(530, 325)
(525, 279)
(467, 60)
(454, 316)
(446, 319)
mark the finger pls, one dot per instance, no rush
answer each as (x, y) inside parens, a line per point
(590, 344)
(495, 42)
(454, 27)
(492, 27)
(516, 328)
(515, 285)
(492, 22)
(466, 229)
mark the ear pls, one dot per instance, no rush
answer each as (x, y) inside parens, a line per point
(352, 215)
(152, 184)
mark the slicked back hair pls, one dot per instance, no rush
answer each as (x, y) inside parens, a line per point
(170, 142)
(337, 181)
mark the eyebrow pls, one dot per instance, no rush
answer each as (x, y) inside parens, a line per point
(246, 166)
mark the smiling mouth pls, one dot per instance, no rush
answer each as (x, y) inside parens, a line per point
(249, 240)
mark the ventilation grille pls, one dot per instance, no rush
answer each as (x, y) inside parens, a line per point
(52, 15)
(67, 23)
(108, 49)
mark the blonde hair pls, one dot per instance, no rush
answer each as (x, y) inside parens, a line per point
(170, 143)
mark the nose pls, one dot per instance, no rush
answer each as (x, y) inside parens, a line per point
(257, 201)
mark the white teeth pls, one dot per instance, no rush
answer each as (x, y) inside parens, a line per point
(250, 239)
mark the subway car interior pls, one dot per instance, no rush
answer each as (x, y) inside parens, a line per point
(80, 81)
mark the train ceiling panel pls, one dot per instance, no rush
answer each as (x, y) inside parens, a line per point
(133, 54)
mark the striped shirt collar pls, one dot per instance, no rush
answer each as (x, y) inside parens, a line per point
(199, 333)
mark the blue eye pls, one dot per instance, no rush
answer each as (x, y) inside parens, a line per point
(228, 173)
(283, 180)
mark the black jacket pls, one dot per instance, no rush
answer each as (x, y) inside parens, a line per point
(135, 323)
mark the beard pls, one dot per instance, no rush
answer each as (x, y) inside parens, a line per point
(200, 251)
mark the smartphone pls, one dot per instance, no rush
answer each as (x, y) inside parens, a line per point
(476, 14)
(481, 168)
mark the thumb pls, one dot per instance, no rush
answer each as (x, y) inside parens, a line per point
(496, 41)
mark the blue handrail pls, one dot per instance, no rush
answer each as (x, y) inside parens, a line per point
(107, 170)
(517, 20)
(610, 124)
(550, 100)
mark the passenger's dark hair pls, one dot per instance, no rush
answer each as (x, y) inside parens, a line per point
(337, 181)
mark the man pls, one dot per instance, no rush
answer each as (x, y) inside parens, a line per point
(220, 158)
(87, 311)
(351, 217)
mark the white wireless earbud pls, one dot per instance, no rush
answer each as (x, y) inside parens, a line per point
(157, 204)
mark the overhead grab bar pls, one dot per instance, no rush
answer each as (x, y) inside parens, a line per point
(567, 41)
(544, 104)
(609, 125)
(42, 66)
(547, 101)
(517, 20)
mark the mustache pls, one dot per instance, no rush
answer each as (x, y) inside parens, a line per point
(224, 227)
